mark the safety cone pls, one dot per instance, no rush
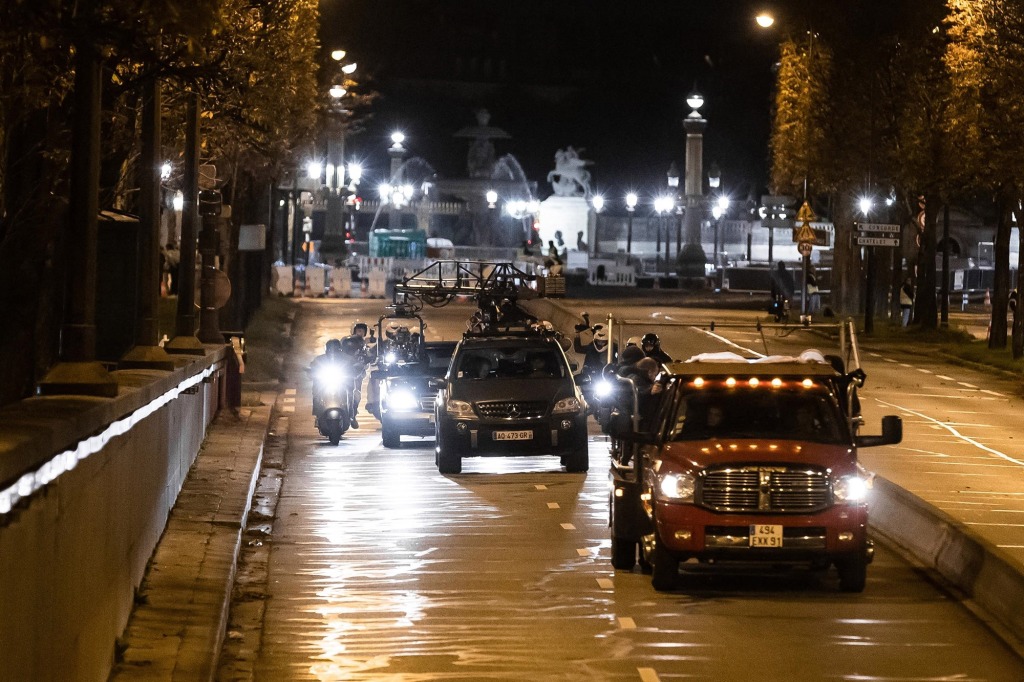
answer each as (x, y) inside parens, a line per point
(988, 298)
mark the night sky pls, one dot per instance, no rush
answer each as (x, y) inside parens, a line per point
(608, 77)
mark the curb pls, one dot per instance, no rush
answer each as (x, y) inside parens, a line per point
(177, 627)
(944, 545)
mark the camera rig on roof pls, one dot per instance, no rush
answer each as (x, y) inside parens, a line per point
(494, 286)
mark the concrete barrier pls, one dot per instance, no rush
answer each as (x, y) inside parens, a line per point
(74, 550)
(944, 545)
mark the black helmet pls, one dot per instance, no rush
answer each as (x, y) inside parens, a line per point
(650, 339)
(352, 344)
(333, 346)
(360, 326)
(630, 355)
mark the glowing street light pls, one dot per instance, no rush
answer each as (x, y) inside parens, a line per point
(865, 204)
(314, 169)
(337, 91)
(597, 201)
(631, 200)
(165, 170)
(349, 69)
(338, 55)
(397, 138)
(764, 20)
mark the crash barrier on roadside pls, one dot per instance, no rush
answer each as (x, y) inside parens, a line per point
(282, 279)
(943, 544)
(86, 487)
(316, 281)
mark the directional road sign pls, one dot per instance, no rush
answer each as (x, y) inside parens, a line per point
(878, 227)
(877, 241)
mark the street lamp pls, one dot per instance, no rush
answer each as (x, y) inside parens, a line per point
(718, 210)
(692, 260)
(673, 185)
(631, 200)
(492, 198)
(662, 205)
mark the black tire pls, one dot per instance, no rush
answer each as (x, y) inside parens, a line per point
(853, 573)
(332, 431)
(390, 436)
(623, 553)
(578, 461)
(664, 569)
(447, 461)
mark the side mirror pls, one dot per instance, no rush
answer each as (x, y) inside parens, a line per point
(857, 377)
(892, 433)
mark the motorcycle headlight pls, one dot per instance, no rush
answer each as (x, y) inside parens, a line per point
(459, 408)
(330, 376)
(566, 405)
(391, 358)
(851, 489)
(676, 487)
(603, 388)
(402, 400)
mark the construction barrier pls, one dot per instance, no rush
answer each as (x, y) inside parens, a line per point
(376, 284)
(316, 281)
(282, 280)
(340, 283)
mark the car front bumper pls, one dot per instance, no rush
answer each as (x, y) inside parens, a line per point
(554, 435)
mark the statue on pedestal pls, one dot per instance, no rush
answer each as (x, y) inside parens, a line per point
(570, 177)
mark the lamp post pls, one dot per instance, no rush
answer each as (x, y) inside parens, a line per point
(662, 205)
(692, 260)
(866, 205)
(597, 202)
(397, 152)
(718, 210)
(631, 200)
(673, 189)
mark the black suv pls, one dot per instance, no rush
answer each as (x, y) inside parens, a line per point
(510, 395)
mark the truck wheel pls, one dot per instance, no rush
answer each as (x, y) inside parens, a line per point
(665, 569)
(578, 461)
(853, 573)
(447, 461)
(623, 553)
(390, 436)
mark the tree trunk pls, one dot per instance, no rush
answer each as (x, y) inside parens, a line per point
(1018, 315)
(926, 311)
(1001, 277)
(846, 280)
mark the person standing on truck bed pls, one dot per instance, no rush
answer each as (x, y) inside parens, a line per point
(650, 344)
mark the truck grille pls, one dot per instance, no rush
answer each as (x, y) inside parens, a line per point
(511, 409)
(427, 402)
(764, 489)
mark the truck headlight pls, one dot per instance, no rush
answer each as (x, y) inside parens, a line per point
(566, 405)
(402, 400)
(851, 489)
(459, 408)
(330, 376)
(676, 487)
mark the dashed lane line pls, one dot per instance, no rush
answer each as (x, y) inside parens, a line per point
(568, 526)
(627, 623)
(605, 584)
(553, 505)
(648, 675)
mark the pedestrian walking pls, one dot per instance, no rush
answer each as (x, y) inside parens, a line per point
(906, 300)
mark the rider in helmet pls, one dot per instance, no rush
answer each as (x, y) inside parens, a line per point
(353, 354)
(650, 344)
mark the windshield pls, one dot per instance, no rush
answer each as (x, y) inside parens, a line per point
(796, 414)
(510, 363)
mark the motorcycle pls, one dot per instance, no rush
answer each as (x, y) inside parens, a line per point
(332, 400)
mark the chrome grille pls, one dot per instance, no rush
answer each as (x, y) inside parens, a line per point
(764, 489)
(511, 409)
(427, 402)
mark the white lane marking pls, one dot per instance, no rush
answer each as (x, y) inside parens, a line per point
(942, 395)
(289, 391)
(583, 551)
(568, 526)
(971, 441)
(288, 408)
(1001, 525)
(875, 355)
(426, 552)
(1011, 546)
(627, 623)
(924, 371)
(903, 364)
(552, 505)
(966, 385)
(288, 400)
(944, 377)
(540, 486)
(726, 341)
(889, 360)
(605, 584)
(995, 393)
(648, 675)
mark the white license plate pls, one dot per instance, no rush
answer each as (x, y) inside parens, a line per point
(765, 536)
(513, 435)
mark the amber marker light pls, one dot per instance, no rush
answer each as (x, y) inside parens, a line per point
(699, 382)
(776, 383)
(730, 382)
(753, 382)
(807, 383)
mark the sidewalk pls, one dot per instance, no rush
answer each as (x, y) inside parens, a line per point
(177, 627)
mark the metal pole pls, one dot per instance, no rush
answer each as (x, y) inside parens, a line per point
(944, 313)
(629, 236)
(869, 294)
(186, 316)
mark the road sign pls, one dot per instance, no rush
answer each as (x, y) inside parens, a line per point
(805, 234)
(804, 248)
(877, 241)
(878, 227)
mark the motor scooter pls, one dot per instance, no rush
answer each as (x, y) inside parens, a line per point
(332, 400)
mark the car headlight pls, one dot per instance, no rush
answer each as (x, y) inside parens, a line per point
(566, 405)
(402, 400)
(676, 487)
(851, 489)
(459, 408)
(330, 377)
(603, 388)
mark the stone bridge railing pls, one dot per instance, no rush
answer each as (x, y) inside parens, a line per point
(86, 486)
